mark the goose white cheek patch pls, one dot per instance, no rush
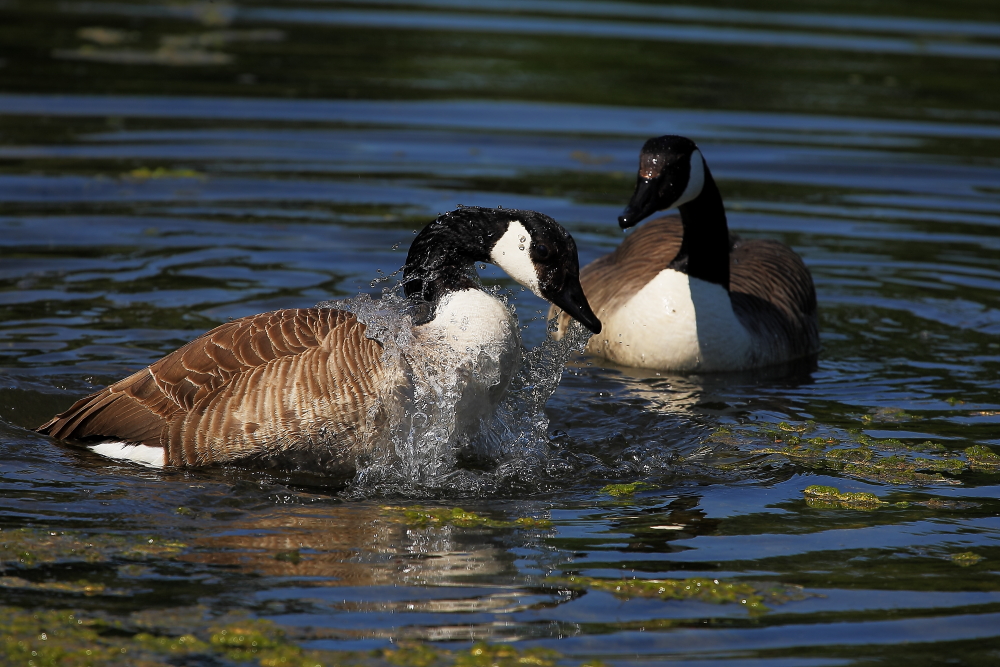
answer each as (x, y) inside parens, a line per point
(696, 180)
(512, 254)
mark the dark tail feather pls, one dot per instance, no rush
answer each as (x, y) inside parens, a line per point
(112, 415)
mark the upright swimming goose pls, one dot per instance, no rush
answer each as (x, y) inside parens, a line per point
(682, 293)
(309, 384)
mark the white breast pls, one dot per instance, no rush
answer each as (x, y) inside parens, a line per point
(471, 321)
(461, 362)
(675, 322)
(474, 339)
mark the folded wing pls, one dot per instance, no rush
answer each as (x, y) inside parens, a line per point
(253, 386)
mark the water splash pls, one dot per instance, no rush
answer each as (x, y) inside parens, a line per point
(457, 424)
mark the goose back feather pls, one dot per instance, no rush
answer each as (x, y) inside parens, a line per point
(773, 296)
(254, 386)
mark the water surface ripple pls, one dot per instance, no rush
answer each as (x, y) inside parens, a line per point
(167, 166)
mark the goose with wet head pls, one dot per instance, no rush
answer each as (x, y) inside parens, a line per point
(313, 383)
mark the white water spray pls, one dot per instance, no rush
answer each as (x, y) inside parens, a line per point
(461, 422)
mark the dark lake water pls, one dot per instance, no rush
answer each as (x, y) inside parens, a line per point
(165, 166)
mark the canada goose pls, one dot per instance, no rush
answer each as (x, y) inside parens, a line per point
(312, 384)
(682, 293)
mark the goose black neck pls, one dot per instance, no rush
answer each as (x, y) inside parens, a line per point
(442, 256)
(704, 249)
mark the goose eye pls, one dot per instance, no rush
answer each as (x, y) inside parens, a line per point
(541, 251)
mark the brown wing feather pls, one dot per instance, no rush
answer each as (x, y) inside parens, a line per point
(610, 281)
(774, 297)
(771, 289)
(255, 386)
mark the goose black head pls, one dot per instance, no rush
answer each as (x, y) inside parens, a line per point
(530, 247)
(671, 174)
(539, 254)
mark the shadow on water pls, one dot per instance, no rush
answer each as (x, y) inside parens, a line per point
(167, 166)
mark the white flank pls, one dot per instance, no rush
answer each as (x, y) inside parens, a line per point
(152, 457)
(696, 180)
(676, 323)
(511, 253)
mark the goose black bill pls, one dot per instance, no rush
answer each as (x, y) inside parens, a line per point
(574, 303)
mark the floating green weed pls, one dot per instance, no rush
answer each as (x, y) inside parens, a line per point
(65, 587)
(925, 446)
(56, 639)
(981, 456)
(479, 655)
(258, 638)
(170, 645)
(700, 589)
(293, 556)
(60, 638)
(27, 547)
(64, 639)
(630, 489)
(854, 453)
(796, 428)
(889, 415)
(830, 497)
(423, 517)
(947, 504)
(724, 436)
(966, 558)
(504, 655)
(900, 470)
(859, 455)
(145, 173)
(410, 655)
